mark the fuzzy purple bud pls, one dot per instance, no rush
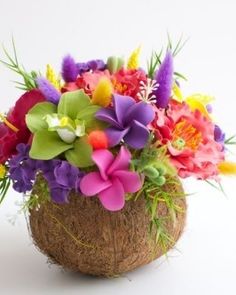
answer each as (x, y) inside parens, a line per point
(69, 69)
(48, 90)
(164, 77)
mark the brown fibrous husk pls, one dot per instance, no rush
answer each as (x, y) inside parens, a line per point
(83, 236)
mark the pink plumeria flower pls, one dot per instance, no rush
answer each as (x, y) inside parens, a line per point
(112, 180)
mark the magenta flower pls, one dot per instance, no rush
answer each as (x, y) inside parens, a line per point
(112, 180)
(128, 120)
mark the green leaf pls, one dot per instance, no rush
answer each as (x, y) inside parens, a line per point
(34, 118)
(81, 155)
(73, 102)
(47, 144)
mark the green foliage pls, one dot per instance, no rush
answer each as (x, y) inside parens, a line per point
(47, 145)
(35, 117)
(12, 64)
(154, 196)
(231, 140)
(175, 49)
(4, 186)
(156, 57)
(80, 155)
(154, 63)
(153, 159)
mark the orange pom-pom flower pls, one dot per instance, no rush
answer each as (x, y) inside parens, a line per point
(98, 139)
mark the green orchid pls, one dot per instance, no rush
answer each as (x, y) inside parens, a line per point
(62, 129)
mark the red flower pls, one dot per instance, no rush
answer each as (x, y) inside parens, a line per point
(9, 139)
(127, 82)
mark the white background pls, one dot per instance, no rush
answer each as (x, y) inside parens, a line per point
(46, 30)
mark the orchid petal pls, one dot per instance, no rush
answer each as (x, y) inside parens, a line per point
(92, 184)
(103, 159)
(113, 198)
(121, 162)
(130, 180)
(137, 136)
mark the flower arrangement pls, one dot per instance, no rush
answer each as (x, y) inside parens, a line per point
(109, 130)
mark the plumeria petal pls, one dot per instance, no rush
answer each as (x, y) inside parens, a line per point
(121, 162)
(121, 105)
(92, 184)
(103, 159)
(109, 116)
(130, 180)
(115, 135)
(141, 112)
(137, 136)
(113, 198)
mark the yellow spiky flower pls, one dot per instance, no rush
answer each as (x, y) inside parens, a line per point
(200, 102)
(102, 93)
(2, 171)
(227, 168)
(177, 93)
(52, 77)
(133, 61)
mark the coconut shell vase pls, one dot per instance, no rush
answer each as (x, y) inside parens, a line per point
(100, 151)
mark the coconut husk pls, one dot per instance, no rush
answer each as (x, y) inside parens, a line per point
(83, 236)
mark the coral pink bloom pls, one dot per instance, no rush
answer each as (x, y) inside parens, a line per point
(112, 180)
(189, 137)
(127, 82)
(89, 80)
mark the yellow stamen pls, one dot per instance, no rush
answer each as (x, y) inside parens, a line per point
(190, 135)
(8, 124)
(64, 121)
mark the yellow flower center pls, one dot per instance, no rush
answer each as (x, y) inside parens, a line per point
(186, 136)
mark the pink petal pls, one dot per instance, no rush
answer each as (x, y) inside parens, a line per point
(131, 181)
(121, 162)
(103, 159)
(113, 198)
(92, 184)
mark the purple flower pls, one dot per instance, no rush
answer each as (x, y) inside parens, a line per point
(219, 135)
(94, 65)
(164, 77)
(22, 169)
(48, 90)
(69, 69)
(128, 121)
(60, 175)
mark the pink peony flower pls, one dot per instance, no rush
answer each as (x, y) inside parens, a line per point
(112, 180)
(189, 137)
(127, 82)
(89, 80)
